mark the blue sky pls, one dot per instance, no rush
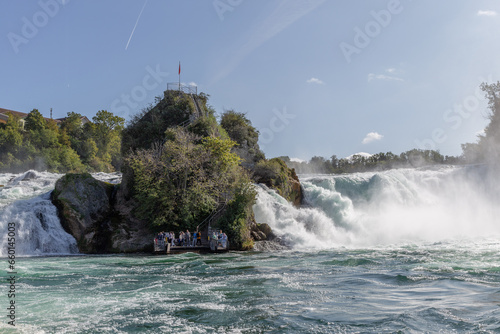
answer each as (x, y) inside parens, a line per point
(316, 77)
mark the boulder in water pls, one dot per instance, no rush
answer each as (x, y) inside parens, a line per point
(266, 230)
(84, 208)
(271, 246)
(29, 175)
(262, 232)
(88, 211)
(258, 235)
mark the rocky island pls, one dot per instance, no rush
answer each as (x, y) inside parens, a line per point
(182, 169)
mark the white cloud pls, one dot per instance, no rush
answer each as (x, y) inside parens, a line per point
(372, 136)
(373, 76)
(486, 13)
(392, 74)
(192, 84)
(315, 81)
(297, 160)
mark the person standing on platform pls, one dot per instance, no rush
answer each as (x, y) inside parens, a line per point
(195, 235)
(198, 239)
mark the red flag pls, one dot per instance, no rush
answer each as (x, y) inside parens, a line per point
(179, 68)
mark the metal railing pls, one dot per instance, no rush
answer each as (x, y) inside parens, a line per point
(188, 89)
(197, 106)
(214, 215)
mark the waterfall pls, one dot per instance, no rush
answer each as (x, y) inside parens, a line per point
(38, 229)
(390, 207)
(25, 201)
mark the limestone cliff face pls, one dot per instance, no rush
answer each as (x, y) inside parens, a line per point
(94, 213)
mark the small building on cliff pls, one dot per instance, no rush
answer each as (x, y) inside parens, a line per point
(4, 117)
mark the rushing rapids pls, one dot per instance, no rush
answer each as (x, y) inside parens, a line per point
(355, 210)
(391, 207)
(397, 251)
(25, 200)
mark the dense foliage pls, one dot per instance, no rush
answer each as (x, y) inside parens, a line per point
(487, 149)
(240, 129)
(148, 126)
(187, 173)
(69, 146)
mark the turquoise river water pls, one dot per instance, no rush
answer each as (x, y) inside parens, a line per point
(444, 287)
(402, 251)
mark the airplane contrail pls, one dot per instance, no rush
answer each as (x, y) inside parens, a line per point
(138, 18)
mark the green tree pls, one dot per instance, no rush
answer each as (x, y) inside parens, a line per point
(106, 134)
(107, 121)
(73, 125)
(490, 142)
(44, 138)
(221, 150)
(11, 144)
(88, 150)
(34, 121)
(240, 129)
(10, 134)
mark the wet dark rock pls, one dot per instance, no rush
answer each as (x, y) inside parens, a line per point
(90, 212)
(29, 175)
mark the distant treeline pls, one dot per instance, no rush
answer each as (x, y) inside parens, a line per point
(379, 161)
(70, 145)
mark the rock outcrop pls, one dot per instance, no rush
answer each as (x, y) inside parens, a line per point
(262, 232)
(275, 174)
(93, 212)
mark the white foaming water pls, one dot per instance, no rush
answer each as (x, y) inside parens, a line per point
(392, 207)
(26, 185)
(37, 228)
(25, 201)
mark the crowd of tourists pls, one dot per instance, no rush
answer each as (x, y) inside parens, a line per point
(188, 239)
(220, 237)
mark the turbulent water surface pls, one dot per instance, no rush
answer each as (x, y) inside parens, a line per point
(399, 251)
(443, 287)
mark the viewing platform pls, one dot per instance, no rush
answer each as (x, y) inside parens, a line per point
(205, 245)
(188, 89)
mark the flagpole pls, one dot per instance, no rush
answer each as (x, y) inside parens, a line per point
(179, 77)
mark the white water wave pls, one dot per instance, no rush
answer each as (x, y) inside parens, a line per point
(25, 201)
(392, 207)
(37, 228)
